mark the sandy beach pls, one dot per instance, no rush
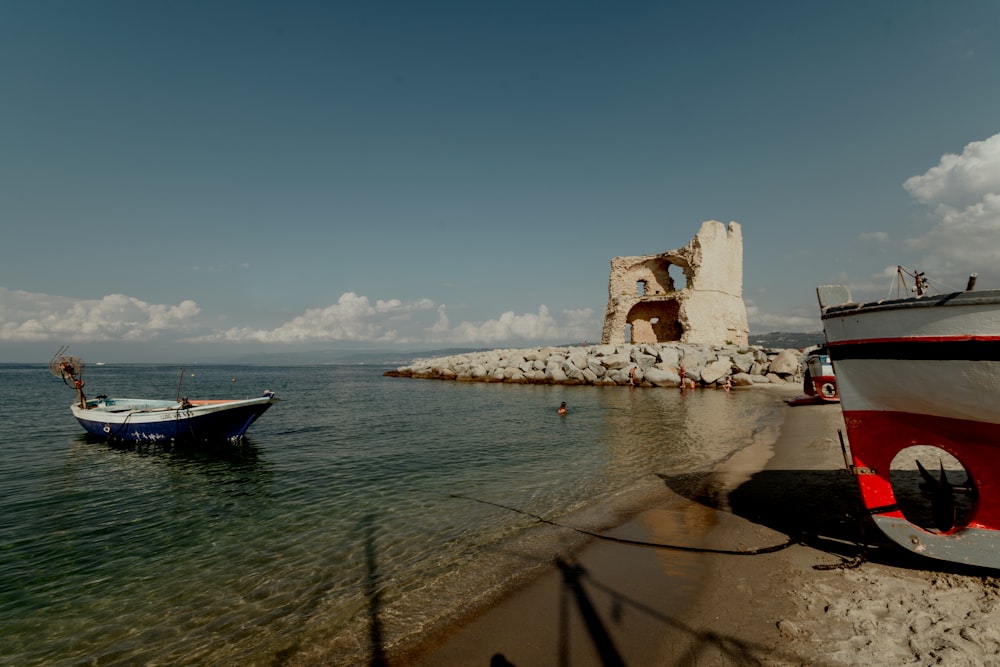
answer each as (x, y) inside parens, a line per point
(764, 561)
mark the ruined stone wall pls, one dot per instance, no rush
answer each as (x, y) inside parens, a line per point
(692, 295)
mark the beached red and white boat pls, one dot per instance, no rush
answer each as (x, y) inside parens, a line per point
(820, 381)
(922, 373)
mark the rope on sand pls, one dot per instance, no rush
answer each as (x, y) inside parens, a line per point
(851, 563)
(638, 543)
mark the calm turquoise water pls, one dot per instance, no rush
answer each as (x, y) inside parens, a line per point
(337, 516)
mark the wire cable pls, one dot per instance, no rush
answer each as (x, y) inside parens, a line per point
(638, 543)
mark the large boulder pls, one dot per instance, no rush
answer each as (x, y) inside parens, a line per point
(512, 374)
(643, 360)
(619, 375)
(661, 378)
(572, 372)
(578, 359)
(786, 363)
(670, 356)
(615, 361)
(716, 370)
(743, 361)
(694, 358)
(555, 375)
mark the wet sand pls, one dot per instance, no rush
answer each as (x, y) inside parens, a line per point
(746, 565)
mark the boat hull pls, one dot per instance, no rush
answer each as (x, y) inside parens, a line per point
(162, 422)
(924, 372)
(820, 381)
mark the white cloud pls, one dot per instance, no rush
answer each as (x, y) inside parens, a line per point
(352, 318)
(510, 327)
(963, 192)
(34, 317)
(790, 322)
(355, 318)
(960, 180)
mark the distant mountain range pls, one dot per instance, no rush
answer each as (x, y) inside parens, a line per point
(779, 340)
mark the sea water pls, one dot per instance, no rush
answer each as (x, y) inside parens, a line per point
(360, 511)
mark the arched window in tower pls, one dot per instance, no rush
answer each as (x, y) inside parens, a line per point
(677, 276)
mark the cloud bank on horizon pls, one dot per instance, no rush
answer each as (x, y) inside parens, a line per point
(961, 194)
(27, 317)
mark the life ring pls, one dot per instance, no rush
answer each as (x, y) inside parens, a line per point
(107, 428)
(829, 390)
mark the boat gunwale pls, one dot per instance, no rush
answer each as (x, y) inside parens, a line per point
(983, 298)
(206, 405)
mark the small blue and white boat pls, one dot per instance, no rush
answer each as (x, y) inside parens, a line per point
(162, 421)
(150, 421)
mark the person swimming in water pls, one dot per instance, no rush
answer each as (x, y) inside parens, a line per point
(562, 408)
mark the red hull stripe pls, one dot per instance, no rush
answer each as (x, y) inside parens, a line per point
(876, 437)
(930, 348)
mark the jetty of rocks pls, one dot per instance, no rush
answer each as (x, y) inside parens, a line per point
(648, 364)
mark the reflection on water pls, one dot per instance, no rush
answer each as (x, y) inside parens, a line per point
(678, 430)
(338, 512)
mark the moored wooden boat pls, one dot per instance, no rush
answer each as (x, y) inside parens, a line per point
(151, 421)
(156, 421)
(920, 376)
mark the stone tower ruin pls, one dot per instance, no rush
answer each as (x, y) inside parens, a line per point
(648, 303)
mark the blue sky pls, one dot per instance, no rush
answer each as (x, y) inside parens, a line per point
(193, 180)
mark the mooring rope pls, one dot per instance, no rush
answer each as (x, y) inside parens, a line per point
(638, 543)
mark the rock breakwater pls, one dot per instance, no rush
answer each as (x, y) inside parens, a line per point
(646, 365)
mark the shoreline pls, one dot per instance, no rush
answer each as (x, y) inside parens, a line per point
(710, 428)
(647, 591)
(759, 573)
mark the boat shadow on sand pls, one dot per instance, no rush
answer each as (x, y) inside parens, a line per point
(818, 508)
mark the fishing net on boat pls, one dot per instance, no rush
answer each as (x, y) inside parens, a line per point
(66, 367)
